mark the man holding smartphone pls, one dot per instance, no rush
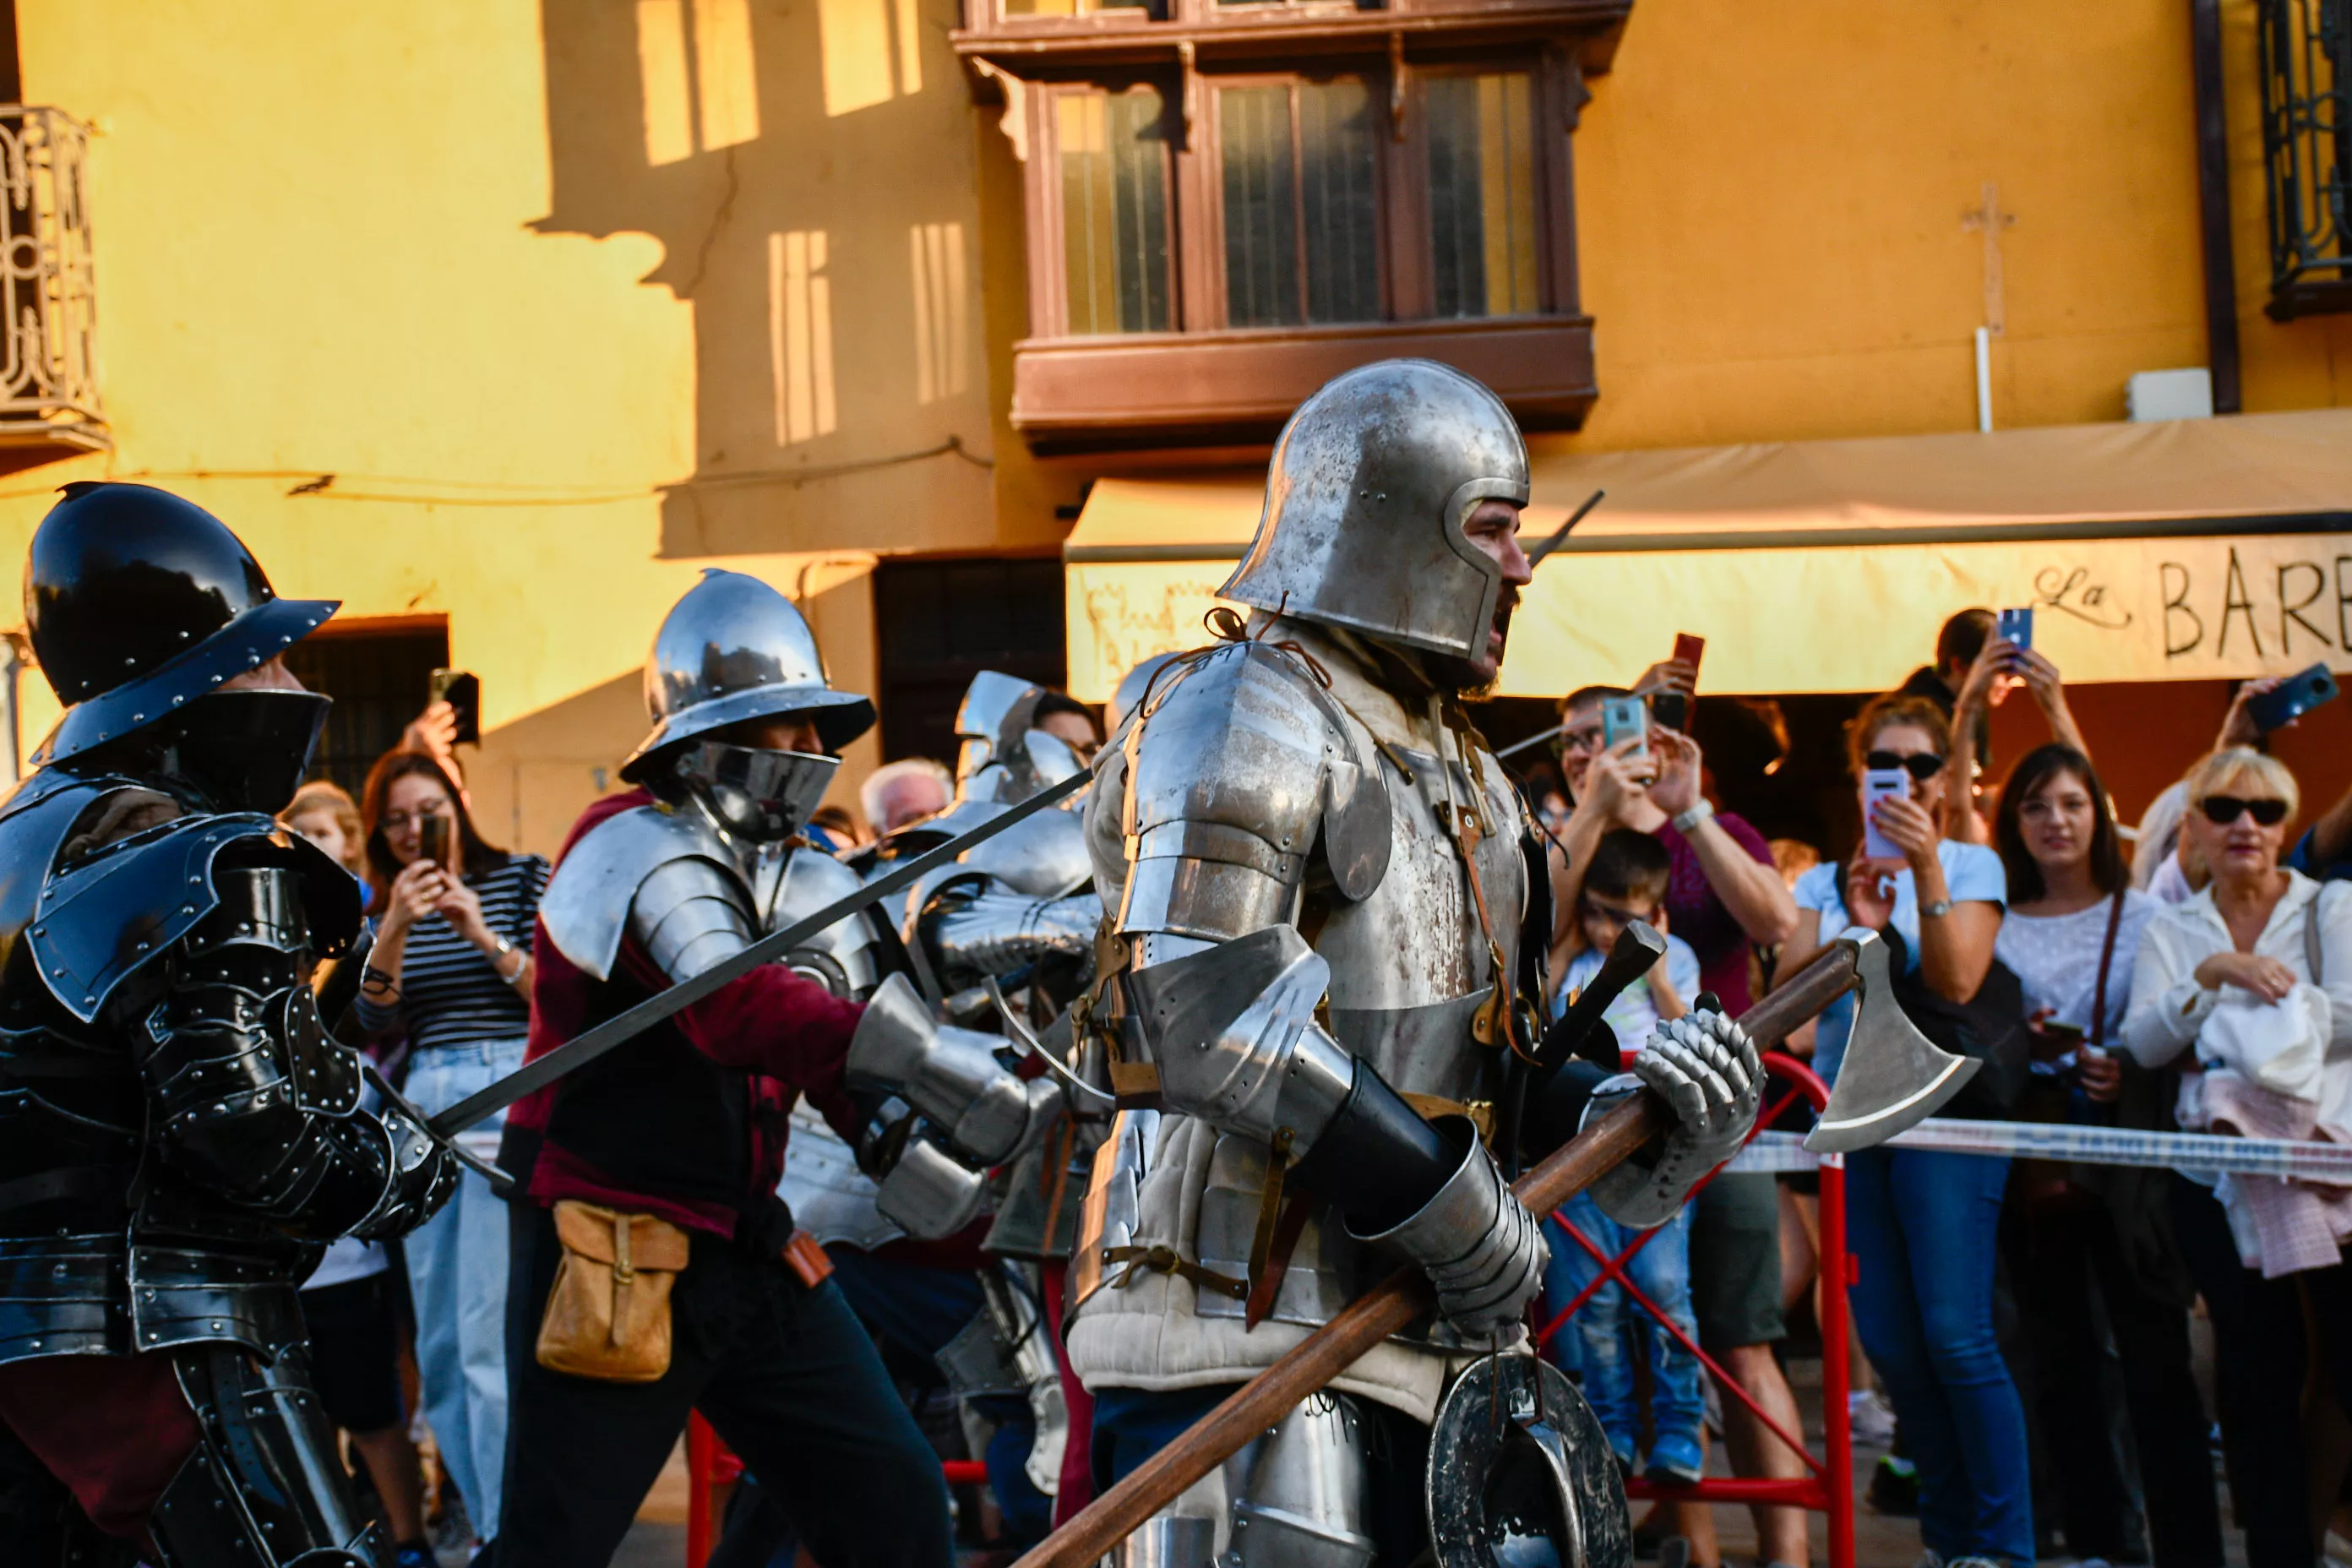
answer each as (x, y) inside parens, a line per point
(1724, 893)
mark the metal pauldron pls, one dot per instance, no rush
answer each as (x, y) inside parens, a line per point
(991, 932)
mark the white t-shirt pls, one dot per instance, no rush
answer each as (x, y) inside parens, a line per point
(1633, 1016)
(2056, 959)
(1970, 872)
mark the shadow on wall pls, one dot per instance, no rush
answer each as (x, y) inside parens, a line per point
(534, 775)
(808, 167)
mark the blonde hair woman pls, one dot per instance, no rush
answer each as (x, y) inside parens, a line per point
(2247, 988)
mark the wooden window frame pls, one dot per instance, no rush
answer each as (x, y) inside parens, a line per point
(1203, 381)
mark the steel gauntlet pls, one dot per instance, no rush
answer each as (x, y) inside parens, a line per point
(419, 1177)
(1705, 1067)
(980, 1114)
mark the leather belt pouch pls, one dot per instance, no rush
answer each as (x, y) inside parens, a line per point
(608, 1315)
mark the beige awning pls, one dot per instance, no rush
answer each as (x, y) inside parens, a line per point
(2160, 552)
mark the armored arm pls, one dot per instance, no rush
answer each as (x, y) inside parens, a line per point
(976, 926)
(1242, 768)
(252, 1097)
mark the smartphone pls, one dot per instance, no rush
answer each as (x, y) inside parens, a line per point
(436, 836)
(462, 690)
(2291, 699)
(1671, 708)
(2016, 627)
(1623, 716)
(1877, 784)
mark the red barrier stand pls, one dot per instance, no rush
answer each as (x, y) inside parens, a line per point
(1828, 1489)
(712, 1466)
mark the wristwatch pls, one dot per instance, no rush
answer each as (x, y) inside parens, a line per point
(1694, 816)
(1936, 911)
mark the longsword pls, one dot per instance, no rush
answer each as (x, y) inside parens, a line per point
(623, 1026)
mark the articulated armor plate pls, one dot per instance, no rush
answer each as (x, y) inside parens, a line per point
(177, 1132)
(265, 1487)
(1007, 1348)
(693, 896)
(1251, 803)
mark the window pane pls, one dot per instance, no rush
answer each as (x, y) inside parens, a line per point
(1337, 158)
(1113, 151)
(1482, 195)
(1261, 217)
(1067, 8)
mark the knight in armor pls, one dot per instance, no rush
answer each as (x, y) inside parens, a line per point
(688, 1124)
(1319, 987)
(1018, 912)
(179, 1137)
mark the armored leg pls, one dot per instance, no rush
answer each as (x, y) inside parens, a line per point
(263, 1488)
(1296, 1498)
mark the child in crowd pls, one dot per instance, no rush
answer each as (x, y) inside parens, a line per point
(1627, 882)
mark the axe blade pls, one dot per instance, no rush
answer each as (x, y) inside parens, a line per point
(1894, 1077)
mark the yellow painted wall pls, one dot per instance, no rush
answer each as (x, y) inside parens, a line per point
(518, 276)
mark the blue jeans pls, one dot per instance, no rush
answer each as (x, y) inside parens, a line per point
(1921, 1228)
(1609, 1329)
(457, 1277)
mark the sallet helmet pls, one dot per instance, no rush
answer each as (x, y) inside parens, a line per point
(138, 603)
(1364, 504)
(731, 650)
(1001, 754)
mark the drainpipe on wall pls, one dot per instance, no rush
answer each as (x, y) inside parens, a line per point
(2214, 204)
(12, 670)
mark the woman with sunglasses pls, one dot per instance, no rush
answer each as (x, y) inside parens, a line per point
(2247, 988)
(1923, 1225)
(2096, 1237)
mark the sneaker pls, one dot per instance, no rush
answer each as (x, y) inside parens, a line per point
(1870, 1417)
(1677, 1461)
(1895, 1488)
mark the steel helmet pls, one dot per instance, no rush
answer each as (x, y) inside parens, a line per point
(735, 649)
(1364, 503)
(1002, 755)
(138, 603)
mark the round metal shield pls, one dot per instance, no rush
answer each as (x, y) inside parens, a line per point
(1520, 1474)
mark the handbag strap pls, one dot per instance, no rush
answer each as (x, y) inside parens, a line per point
(2311, 934)
(2107, 961)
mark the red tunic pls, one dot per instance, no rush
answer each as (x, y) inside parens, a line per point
(788, 1035)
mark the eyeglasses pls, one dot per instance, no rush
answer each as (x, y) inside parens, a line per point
(1584, 739)
(2223, 809)
(398, 821)
(1920, 765)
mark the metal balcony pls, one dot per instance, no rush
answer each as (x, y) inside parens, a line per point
(2307, 66)
(48, 306)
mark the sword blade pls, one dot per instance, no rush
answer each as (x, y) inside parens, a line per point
(622, 1027)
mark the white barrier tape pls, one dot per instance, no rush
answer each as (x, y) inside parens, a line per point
(2191, 1154)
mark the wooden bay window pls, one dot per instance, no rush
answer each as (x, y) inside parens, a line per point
(1230, 201)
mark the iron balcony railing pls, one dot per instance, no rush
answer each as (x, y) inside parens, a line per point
(2307, 66)
(48, 306)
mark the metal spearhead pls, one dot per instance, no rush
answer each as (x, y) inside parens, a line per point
(1894, 1077)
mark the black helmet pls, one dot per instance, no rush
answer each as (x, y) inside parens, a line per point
(138, 603)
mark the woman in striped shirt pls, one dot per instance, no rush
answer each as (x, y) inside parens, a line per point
(451, 966)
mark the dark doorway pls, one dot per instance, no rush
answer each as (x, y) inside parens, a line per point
(939, 622)
(379, 675)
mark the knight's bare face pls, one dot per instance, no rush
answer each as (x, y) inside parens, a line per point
(1493, 526)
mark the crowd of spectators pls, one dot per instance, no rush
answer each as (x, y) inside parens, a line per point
(2030, 1323)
